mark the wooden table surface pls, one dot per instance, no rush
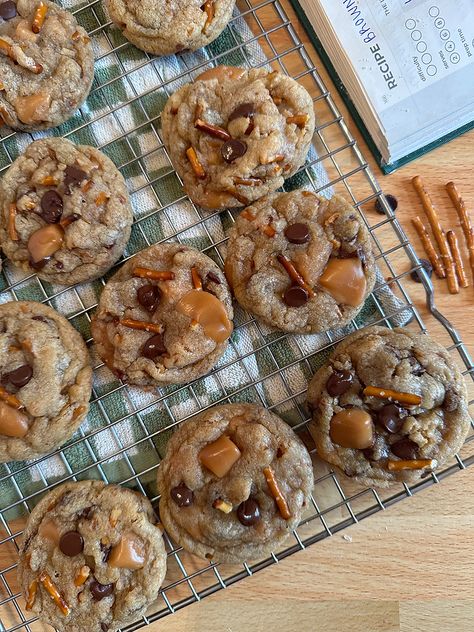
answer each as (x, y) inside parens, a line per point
(409, 568)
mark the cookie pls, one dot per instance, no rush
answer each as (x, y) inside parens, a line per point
(300, 262)
(164, 27)
(235, 135)
(45, 380)
(389, 406)
(46, 64)
(65, 212)
(92, 559)
(164, 317)
(234, 483)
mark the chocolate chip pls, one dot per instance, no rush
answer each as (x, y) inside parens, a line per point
(369, 454)
(73, 176)
(405, 449)
(213, 277)
(21, 376)
(86, 513)
(391, 417)
(392, 202)
(297, 233)
(182, 495)
(71, 543)
(248, 512)
(99, 591)
(244, 110)
(38, 265)
(51, 207)
(154, 347)
(451, 401)
(40, 318)
(427, 267)
(106, 551)
(104, 627)
(233, 149)
(416, 367)
(8, 10)
(339, 382)
(295, 296)
(149, 296)
(59, 265)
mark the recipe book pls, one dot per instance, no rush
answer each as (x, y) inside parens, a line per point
(404, 67)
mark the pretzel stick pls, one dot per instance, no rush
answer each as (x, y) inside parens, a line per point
(409, 399)
(415, 464)
(453, 244)
(438, 232)
(39, 17)
(429, 248)
(141, 325)
(465, 220)
(56, 596)
(276, 493)
(294, 274)
(156, 275)
(31, 598)
(195, 164)
(9, 399)
(12, 232)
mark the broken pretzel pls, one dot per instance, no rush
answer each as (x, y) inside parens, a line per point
(409, 399)
(156, 275)
(414, 464)
(276, 493)
(195, 164)
(141, 325)
(464, 218)
(458, 264)
(56, 596)
(294, 274)
(431, 253)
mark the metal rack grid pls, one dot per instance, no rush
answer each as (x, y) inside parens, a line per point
(336, 502)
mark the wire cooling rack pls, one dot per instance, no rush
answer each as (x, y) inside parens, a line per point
(126, 432)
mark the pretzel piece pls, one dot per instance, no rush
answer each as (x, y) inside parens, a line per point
(197, 283)
(212, 130)
(464, 218)
(12, 232)
(156, 275)
(415, 464)
(458, 263)
(9, 399)
(141, 325)
(56, 596)
(39, 17)
(298, 119)
(208, 7)
(195, 164)
(276, 493)
(409, 399)
(294, 274)
(31, 597)
(430, 251)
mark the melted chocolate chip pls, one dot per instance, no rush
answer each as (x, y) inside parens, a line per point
(154, 347)
(59, 265)
(416, 367)
(297, 233)
(182, 495)
(38, 265)
(405, 449)
(99, 591)
(296, 296)
(104, 627)
(248, 512)
(21, 376)
(213, 277)
(427, 267)
(233, 149)
(40, 318)
(86, 513)
(369, 454)
(71, 543)
(149, 296)
(73, 176)
(8, 10)
(106, 551)
(392, 202)
(451, 401)
(391, 417)
(51, 207)
(244, 110)
(339, 382)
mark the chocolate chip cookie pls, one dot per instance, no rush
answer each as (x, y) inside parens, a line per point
(46, 64)
(164, 27)
(165, 317)
(45, 380)
(234, 483)
(92, 559)
(65, 212)
(300, 262)
(390, 405)
(235, 135)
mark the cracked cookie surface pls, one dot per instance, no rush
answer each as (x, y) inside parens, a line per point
(92, 558)
(65, 212)
(46, 64)
(390, 405)
(164, 27)
(234, 483)
(45, 380)
(164, 317)
(235, 135)
(300, 262)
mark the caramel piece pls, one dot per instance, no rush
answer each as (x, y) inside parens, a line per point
(196, 279)
(220, 455)
(48, 529)
(207, 310)
(221, 73)
(11, 400)
(128, 553)
(352, 428)
(156, 275)
(49, 181)
(101, 198)
(345, 280)
(222, 505)
(56, 596)
(141, 325)
(39, 17)
(12, 232)
(212, 130)
(208, 7)
(45, 241)
(31, 597)
(34, 108)
(82, 576)
(409, 399)
(415, 464)
(215, 200)
(195, 164)
(294, 274)
(298, 119)
(13, 423)
(276, 493)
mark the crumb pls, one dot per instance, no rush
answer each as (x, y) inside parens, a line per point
(347, 538)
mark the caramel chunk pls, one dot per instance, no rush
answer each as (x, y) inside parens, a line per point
(34, 108)
(352, 428)
(48, 529)
(13, 423)
(45, 241)
(220, 456)
(128, 553)
(221, 73)
(345, 280)
(207, 310)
